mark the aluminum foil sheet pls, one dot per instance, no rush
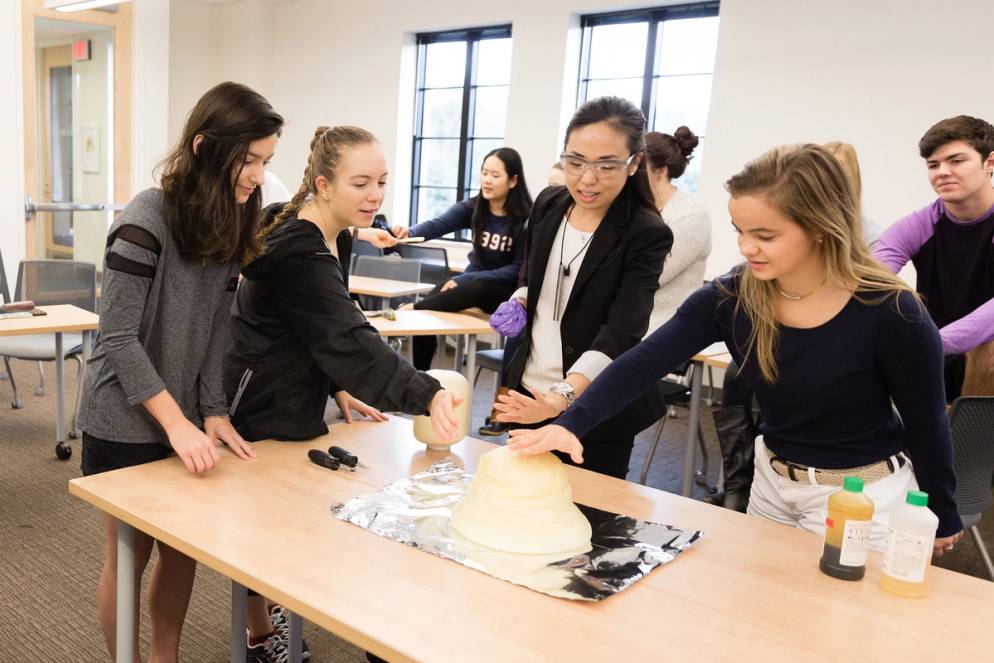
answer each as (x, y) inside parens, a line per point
(417, 511)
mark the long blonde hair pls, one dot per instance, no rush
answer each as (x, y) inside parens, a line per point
(846, 154)
(808, 184)
(327, 148)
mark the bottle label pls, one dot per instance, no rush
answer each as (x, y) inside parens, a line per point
(906, 556)
(855, 540)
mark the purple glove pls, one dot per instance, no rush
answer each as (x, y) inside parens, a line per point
(509, 318)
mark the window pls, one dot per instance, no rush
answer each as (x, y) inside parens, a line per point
(662, 60)
(461, 111)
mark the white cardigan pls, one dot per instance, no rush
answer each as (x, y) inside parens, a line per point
(683, 271)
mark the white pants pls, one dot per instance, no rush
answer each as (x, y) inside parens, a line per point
(804, 503)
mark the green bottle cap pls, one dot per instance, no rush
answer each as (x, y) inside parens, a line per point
(917, 498)
(853, 484)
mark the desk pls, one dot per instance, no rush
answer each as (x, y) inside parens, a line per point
(59, 319)
(749, 590)
(458, 265)
(715, 355)
(386, 288)
(439, 323)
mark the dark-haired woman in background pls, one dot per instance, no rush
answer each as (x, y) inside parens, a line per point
(666, 160)
(497, 218)
(595, 252)
(154, 383)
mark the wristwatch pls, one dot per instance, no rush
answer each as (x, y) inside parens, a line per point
(564, 389)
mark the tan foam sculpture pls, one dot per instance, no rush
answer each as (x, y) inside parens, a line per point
(522, 504)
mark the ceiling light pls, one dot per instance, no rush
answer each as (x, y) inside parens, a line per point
(79, 5)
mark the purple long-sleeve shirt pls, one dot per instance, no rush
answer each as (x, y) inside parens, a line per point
(954, 260)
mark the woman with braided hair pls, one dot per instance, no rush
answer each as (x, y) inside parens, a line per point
(296, 336)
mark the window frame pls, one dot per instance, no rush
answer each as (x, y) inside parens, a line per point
(472, 37)
(654, 16)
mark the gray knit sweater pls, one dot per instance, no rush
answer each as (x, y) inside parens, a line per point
(683, 271)
(163, 325)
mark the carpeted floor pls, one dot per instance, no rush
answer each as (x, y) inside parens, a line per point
(51, 543)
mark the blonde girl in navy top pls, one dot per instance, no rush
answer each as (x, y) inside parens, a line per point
(844, 360)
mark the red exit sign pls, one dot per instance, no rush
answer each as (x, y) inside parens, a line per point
(81, 50)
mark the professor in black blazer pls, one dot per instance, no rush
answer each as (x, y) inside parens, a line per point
(607, 310)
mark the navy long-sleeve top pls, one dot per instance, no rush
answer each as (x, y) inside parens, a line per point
(497, 254)
(831, 406)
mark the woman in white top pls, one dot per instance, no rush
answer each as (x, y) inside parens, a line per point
(666, 159)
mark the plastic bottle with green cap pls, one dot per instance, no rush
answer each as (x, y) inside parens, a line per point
(847, 531)
(910, 537)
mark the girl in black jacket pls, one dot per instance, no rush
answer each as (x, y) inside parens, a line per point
(595, 253)
(296, 336)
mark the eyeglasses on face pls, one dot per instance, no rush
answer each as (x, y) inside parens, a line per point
(576, 166)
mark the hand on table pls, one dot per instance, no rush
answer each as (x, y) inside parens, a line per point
(220, 431)
(515, 407)
(400, 232)
(193, 446)
(546, 438)
(347, 402)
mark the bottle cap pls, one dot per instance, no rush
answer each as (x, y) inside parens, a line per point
(917, 498)
(853, 484)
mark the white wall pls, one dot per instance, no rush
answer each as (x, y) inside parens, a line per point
(876, 75)
(149, 89)
(341, 63)
(11, 140)
(873, 74)
(92, 113)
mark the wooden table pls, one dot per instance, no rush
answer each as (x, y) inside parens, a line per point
(386, 288)
(749, 590)
(59, 319)
(439, 323)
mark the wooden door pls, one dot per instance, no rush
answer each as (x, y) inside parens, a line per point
(119, 22)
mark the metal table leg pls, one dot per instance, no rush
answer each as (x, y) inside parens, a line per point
(296, 637)
(471, 359)
(62, 450)
(693, 426)
(239, 637)
(126, 645)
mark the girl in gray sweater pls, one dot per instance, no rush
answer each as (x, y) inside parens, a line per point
(154, 382)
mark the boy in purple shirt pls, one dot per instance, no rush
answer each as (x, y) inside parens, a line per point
(951, 241)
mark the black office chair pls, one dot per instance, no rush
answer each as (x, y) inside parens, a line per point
(434, 261)
(972, 423)
(491, 359)
(676, 393)
(361, 247)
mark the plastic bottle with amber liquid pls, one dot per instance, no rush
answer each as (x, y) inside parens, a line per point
(910, 537)
(847, 531)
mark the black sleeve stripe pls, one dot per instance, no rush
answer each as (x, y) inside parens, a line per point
(138, 236)
(119, 263)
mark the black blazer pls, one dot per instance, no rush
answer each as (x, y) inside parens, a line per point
(612, 297)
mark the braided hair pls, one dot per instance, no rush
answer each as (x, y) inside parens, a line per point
(327, 147)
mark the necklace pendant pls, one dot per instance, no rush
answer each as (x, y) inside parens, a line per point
(565, 270)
